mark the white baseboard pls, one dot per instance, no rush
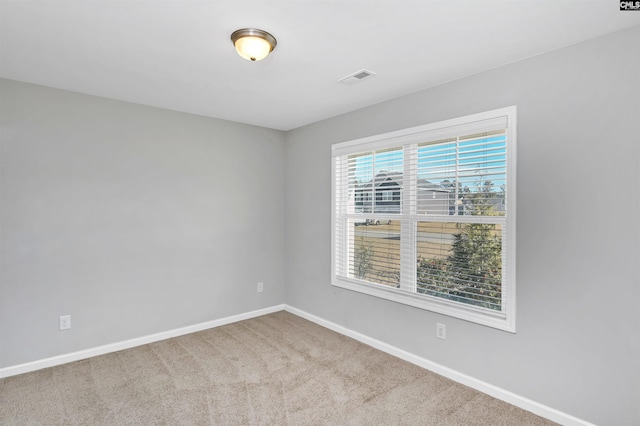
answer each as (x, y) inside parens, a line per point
(118, 346)
(494, 391)
(487, 388)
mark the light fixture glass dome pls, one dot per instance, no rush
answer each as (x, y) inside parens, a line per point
(253, 44)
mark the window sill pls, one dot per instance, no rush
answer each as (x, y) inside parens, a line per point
(498, 320)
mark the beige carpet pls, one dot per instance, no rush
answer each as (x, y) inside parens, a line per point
(278, 369)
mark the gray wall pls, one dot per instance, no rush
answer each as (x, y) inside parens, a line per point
(576, 348)
(134, 220)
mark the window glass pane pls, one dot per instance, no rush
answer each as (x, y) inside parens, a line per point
(461, 262)
(463, 176)
(436, 177)
(375, 180)
(374, 254)
(483, 173)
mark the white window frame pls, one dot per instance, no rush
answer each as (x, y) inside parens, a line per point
(505, 319)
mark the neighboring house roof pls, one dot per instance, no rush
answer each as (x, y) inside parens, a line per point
(425, 184)
(386, 178)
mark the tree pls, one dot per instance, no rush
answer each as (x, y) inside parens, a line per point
(362, 259)
(476, 264)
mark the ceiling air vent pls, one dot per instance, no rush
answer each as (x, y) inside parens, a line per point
(357, 76)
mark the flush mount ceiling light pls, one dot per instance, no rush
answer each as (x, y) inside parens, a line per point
(253, 44)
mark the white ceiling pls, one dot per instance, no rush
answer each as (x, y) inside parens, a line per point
(176, 54)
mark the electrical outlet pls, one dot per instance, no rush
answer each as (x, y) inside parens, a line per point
(260, 287)
(65, 322)
(441, 331)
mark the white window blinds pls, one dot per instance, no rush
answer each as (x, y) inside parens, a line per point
(424, 216)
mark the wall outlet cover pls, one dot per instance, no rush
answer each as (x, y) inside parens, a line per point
(65, 322)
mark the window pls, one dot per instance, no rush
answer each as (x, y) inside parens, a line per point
(438, 207)
(387, 196)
